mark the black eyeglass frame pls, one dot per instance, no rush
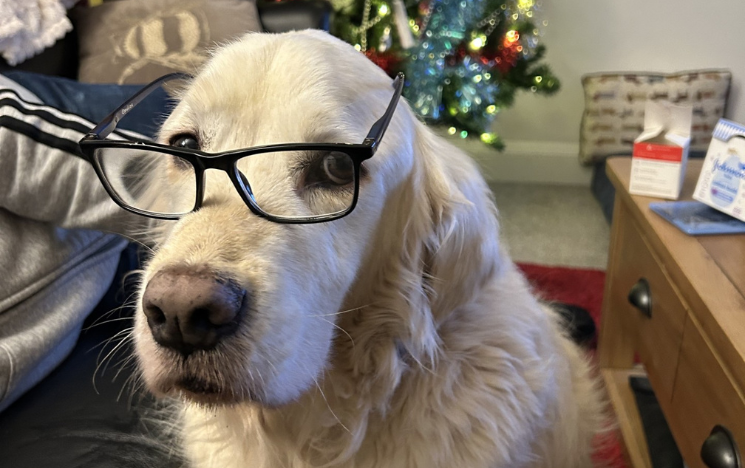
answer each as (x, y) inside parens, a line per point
(226, 161)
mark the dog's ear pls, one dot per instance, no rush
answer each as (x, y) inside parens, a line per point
(460, 242)
(438, 246)
(449, 248)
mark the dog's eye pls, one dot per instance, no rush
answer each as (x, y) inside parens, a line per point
(185, 141)
(338, 168)
(333, 168)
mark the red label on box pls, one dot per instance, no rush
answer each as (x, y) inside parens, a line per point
(658, 152)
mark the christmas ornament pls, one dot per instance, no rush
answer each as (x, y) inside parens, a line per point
(464, 59)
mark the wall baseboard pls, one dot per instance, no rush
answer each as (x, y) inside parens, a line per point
(533, 162)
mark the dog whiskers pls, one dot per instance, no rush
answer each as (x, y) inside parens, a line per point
(339, 328)
(110, 339)
(354, 309)
(132, 380)
(97, 323)
(129, 302)
(127, 338)
(122, 364)
(263, 382)
(323, 395)
(274, 368)
(149, 249)
(105, 363)
(138, 383)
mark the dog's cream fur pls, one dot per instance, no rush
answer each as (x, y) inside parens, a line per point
(401, 336)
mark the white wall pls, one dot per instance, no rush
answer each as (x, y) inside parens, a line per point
(585, 36)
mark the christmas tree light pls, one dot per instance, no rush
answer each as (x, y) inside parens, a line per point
(464, 60)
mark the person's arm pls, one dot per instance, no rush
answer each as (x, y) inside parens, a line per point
(43, 175)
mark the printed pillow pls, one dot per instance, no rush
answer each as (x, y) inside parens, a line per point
(614, 108)
(137, 41)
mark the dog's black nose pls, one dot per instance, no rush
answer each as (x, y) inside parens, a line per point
(189, 309)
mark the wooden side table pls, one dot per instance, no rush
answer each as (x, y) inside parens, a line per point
(686, 324)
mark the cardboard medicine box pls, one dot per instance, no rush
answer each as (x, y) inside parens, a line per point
(660, 153)
(721, 183)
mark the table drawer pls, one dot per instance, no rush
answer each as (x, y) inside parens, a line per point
(703, 397)
(658, 332)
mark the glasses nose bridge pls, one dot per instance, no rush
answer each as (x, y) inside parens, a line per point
(219, 182)
(222, 163)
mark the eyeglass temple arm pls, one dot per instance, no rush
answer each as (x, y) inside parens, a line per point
(379, 127)
(108, 124)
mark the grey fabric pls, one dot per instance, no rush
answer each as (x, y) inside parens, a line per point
(55, 263)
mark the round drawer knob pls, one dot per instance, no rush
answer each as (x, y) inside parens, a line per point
(720, 449)
(640, 297)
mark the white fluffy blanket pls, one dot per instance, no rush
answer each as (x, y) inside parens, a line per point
(29, 26)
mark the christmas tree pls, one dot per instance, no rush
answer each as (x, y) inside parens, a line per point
(464, 60)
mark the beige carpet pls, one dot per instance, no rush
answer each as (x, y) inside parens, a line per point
(552, 225)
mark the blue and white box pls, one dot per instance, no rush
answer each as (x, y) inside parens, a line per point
(721, 183)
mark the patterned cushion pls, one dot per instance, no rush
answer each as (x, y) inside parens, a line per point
(614, 107)
(137, 41)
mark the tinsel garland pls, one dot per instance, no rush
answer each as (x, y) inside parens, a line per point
(468, 58)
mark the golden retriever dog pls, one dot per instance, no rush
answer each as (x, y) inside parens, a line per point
(399, 336)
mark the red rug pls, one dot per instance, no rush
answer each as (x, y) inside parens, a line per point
(584, 288)
(576, 286)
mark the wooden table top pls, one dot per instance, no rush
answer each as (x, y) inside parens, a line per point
(709, 271)
(728, 251)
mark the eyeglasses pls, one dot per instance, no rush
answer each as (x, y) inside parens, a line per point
(291, 183)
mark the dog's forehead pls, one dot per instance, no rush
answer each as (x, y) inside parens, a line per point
(284, 88)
